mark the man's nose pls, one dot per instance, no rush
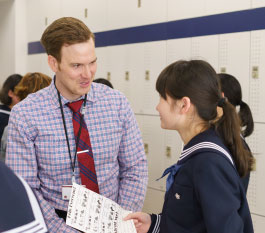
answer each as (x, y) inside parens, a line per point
(86, 71)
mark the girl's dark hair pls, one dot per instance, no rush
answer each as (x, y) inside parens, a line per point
(8, 85)
(232, 90)
(197, 80)
(103, 81)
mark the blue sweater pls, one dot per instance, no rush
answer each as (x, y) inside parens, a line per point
(207, 195)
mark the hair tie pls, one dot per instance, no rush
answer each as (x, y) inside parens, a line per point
(221, 102)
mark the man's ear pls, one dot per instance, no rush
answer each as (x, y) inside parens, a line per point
(223, 94)
(185, 104)
(53, 63)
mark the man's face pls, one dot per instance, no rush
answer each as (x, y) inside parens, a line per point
(76, 71)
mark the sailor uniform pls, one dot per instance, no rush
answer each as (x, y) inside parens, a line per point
(206, 195)
(20, 211)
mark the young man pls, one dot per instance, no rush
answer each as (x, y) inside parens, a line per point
(46, 142)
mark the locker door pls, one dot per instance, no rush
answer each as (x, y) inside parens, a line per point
(134, 87)
(101, 54)
(217, 7)
(92, 13)
(182, 9)
(173, 148)
(40, 14)
(178, 49)
(257, 73)
(122, 14)
(258, 223)
(205, 48)
(153, 137)
(154, 62)
(234, 58)
(154, 200)
(117, 65)
(256, 190)
(258, 3)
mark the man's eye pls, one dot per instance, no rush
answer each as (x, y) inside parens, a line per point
(76, 65)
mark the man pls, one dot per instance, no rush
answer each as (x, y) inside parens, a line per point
(44, 142)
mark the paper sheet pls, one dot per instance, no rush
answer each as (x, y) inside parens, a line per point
(92, 213)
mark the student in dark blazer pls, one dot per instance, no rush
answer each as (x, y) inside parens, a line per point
(204, 192)
(20, 210)
(231, 88)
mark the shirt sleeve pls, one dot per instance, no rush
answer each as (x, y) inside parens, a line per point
(22, 159)
(132, 161)
(217, 189)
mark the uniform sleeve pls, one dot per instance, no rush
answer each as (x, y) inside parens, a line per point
(217, 189)
(132, 161)
(155, 223)
(22, 159)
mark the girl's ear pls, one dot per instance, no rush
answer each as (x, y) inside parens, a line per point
(11, 93)
(185, 105)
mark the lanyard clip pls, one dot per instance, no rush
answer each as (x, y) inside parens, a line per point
(83, 109)
(73, 178)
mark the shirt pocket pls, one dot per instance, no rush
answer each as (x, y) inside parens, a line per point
(180, 204)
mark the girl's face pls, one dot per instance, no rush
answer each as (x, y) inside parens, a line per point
(169, 111)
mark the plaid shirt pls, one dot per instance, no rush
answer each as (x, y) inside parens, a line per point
(37, 149)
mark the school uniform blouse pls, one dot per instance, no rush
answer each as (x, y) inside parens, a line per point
(4, 117)
(207, 194)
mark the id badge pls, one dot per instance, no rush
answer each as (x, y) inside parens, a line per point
(66, 192)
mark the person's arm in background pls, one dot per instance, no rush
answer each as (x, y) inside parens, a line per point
(22, 159)
(3, 144)
(132, 161)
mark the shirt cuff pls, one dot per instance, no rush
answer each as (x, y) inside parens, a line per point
(155, 223)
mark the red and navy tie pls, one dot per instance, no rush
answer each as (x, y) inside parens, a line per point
(85, 159)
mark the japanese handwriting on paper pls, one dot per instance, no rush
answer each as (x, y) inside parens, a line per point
(92, 213)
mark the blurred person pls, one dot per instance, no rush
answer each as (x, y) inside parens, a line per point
(20, 210)
(76, 131)
(103, 81)
(204, 192)
(30, 83)
(8, 99)
(231, 88)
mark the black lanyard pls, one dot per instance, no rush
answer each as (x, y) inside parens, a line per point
(66, 134)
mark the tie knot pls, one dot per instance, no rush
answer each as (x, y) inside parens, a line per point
(75, 106)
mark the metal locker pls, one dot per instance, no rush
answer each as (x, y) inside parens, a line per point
(178, 49)
(234, 55)
(256, 190)
(257, 73)
(205, 48)
(153, 137)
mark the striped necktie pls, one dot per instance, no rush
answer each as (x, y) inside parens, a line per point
(84, 149)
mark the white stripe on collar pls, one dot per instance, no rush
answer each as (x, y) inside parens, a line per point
(4, 111)
(204, 145)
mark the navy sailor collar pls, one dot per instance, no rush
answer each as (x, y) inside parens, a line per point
(207, 141)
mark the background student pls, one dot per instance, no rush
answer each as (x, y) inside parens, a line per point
(232, 91)
(8, 100)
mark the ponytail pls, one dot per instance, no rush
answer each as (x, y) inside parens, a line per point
(228, 126)
(246, 119)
